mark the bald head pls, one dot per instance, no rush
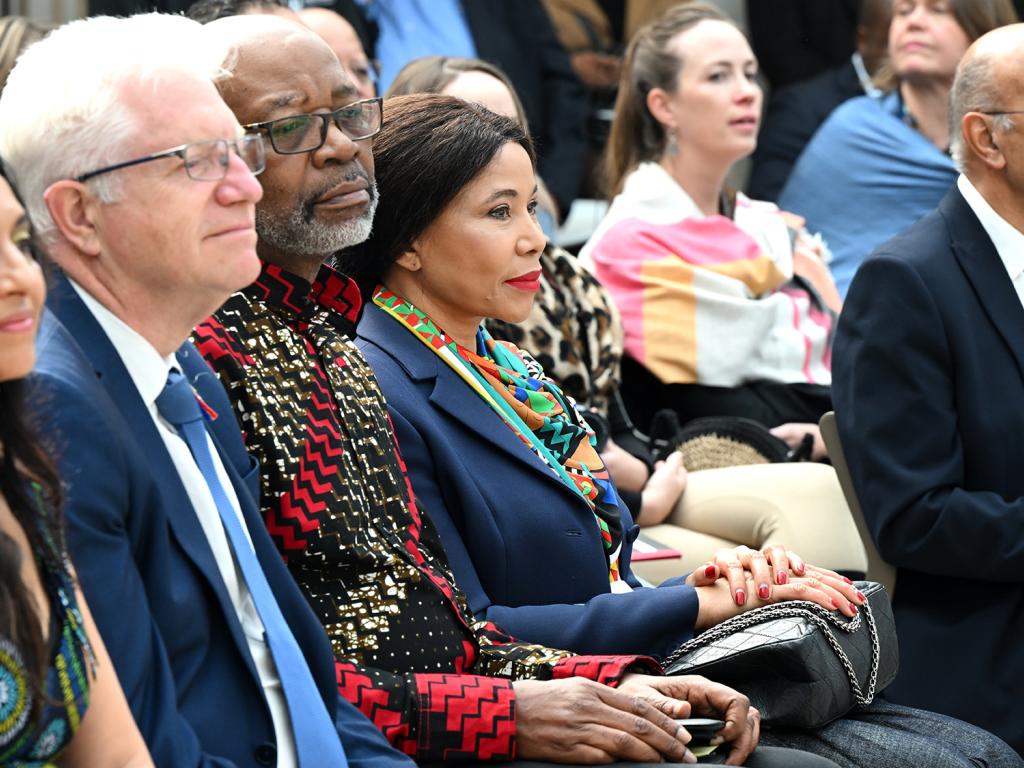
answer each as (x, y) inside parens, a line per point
(341, 37)
(990, 78)
(317, 197)
(332, 27)
(277, 64)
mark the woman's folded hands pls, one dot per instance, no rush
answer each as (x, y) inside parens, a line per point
(739, 579)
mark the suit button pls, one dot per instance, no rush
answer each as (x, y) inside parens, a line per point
(266, 754)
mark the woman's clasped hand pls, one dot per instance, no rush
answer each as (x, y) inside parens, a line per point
(739, 579)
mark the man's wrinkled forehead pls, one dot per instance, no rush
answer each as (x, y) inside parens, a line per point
(278, 67)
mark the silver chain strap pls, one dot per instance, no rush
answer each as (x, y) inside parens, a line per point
(799, 609)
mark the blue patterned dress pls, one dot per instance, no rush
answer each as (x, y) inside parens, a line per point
(22, 741)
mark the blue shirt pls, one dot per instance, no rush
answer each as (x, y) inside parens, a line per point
(409, 29)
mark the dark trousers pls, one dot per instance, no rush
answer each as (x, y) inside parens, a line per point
(769, 402)
(763, 757)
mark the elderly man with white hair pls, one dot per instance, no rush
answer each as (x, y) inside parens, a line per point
(142, 185)
(928, 386)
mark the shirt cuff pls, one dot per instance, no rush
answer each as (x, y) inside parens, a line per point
(608, 670)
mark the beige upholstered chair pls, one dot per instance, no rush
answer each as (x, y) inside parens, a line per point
(878, 569)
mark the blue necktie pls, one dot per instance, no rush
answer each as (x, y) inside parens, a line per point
(316, 739)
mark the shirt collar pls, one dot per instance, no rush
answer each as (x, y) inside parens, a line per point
(863, 75)
(331, 291)
(147, 369)
(1007, 239)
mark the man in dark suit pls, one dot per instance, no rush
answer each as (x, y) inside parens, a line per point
(796, 111)
(929, 380)
(143, 188)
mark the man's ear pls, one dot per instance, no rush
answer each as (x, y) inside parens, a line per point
(75, 211)
(409, 260)
(980, 141)
(657, 104)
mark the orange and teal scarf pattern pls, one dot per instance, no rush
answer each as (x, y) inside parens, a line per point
(513, 384)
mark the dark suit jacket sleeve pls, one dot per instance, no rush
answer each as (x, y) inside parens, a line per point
(565, 108)
(647, 621)
(896, 407)
(94, 468)
(796, 39)
(788, 125)
(520, 39)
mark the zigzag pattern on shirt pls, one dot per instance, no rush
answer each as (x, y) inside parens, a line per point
(298, 510)
(478, 714)
(210, 340)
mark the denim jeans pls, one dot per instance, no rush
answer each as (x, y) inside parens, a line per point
(885, 735)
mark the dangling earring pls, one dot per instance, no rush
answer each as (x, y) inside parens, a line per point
(671, 146)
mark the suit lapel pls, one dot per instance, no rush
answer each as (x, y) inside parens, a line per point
(986, 273)
(451, 394)
(65, 303)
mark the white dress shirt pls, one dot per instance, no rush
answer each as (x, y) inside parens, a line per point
(1007, 239)
(149, 371)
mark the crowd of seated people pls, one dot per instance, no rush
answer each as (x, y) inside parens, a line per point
(317, 451)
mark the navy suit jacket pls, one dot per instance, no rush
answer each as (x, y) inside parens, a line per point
(145, 566)
(524, 548)
(554, 99)
(929, 393)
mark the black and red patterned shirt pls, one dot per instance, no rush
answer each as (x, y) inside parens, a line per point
(338, 504)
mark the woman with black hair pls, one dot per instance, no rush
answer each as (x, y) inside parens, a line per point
(59, 695)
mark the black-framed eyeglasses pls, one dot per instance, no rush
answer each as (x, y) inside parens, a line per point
(203, 160)
(298, 133)
(995, 113)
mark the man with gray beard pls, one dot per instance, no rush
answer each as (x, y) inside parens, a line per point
(335, 496)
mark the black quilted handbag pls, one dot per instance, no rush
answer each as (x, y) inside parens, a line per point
(798, 663)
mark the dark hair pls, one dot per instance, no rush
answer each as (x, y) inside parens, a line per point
(24, 464)
(432, 74)
(205, 11)
(975, 17)
(636, 136)
(431, 146)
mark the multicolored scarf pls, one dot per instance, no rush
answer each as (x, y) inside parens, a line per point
(513, 384)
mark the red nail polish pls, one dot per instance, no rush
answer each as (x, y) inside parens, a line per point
(835, 605)
(710, 571)
(853, 607)
(860, 596)
(763, 592)
(781, 577)
(847, 580)
(741, 597)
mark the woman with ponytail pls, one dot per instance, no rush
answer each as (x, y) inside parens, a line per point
(727, 304)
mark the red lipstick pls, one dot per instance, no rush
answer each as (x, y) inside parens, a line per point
(529, 282)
